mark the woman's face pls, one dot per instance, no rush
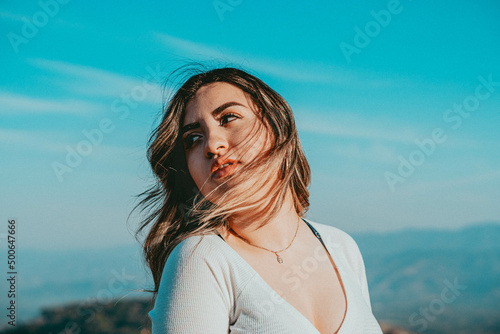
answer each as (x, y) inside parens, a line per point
(218, 119)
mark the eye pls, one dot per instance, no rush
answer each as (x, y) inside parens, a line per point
(190, 140)
(224, 118)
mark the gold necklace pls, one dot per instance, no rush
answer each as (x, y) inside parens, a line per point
(278, 257)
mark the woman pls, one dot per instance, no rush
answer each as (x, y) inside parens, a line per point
(229, 247)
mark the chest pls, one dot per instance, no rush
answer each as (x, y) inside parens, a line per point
(309, 283)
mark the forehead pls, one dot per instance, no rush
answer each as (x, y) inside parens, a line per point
(211, 96)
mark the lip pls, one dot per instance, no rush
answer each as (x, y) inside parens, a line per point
(218, 173)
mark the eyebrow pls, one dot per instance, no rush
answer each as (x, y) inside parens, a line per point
(216, 112)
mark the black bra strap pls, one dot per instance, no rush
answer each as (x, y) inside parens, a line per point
(315, 233)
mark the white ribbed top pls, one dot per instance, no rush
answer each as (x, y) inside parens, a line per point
(207, 287)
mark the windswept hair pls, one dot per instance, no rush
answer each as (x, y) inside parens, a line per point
(175, 207)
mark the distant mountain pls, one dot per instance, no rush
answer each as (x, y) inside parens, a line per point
(47, 278)
(436, 281)
(484, 236)
(427, 281)
(117, 317)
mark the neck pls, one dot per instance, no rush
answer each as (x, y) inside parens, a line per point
(275, 235)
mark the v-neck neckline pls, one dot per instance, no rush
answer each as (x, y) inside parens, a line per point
(335, 268)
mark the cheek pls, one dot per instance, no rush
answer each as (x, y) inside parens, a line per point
(194, 169)
(259, 144)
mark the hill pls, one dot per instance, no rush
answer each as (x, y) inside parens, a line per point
(126, 316)
(436, 281)
(427, 281)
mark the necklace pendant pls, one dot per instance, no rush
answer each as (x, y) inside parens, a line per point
(280, 260)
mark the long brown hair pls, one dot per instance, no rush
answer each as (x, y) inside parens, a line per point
(177, 210)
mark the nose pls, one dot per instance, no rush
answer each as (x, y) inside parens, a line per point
(216, 143)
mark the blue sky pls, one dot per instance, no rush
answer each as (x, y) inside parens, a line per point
(75, 71)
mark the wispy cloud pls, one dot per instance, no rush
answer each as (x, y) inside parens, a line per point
(18, 18)
(11, 16)
(94, 82)
(299, 71)
(38, 140)
(352, 127)
(458, 182)
(373, 153)
(401, 138)
(11, 103)
(202, 51)
(57, 141)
